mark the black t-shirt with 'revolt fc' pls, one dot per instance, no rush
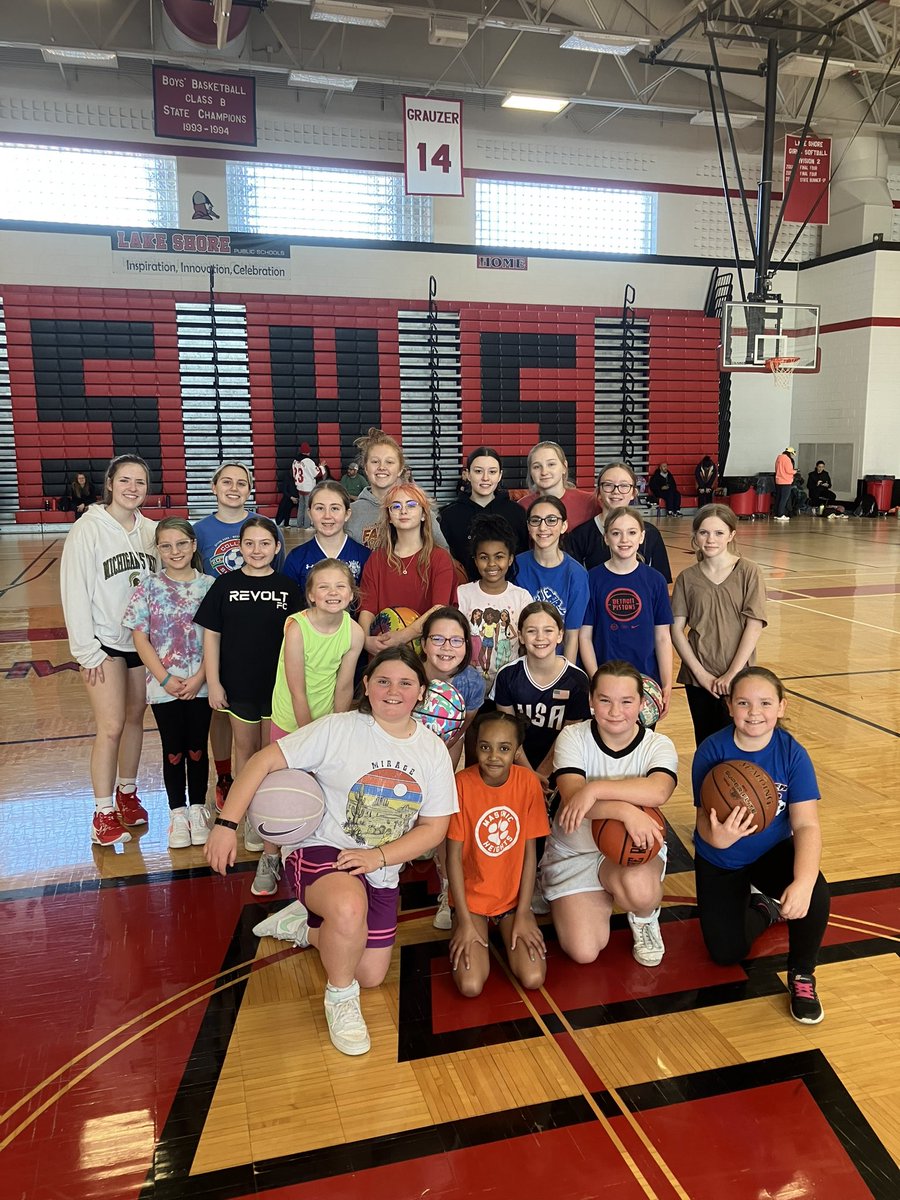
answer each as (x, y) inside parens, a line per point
(249, 611)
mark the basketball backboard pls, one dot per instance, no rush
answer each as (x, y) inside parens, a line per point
(754, 334)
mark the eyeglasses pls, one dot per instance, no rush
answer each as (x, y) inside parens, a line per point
(399, 505)
(439, 640)
(550, 522)
(616, 487)
(170, 546)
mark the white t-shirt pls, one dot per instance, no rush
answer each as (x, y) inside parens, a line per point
(580, 750)
(376, 786)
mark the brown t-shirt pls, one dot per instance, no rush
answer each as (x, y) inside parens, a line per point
(716, 613)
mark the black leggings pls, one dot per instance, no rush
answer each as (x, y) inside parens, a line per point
(730, 926)
(709, 713)
(184, 730)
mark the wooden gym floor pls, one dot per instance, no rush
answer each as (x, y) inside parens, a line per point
(153, 1048)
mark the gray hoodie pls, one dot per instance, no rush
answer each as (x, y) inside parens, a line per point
(364, 513)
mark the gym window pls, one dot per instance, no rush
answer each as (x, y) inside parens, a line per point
(326, 202)
(72, 186)
(553, 216)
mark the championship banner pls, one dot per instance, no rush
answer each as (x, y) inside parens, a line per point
(203, 107)
(810, 190)
(432, 139)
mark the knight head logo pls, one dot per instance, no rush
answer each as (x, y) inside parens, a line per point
(203, 207)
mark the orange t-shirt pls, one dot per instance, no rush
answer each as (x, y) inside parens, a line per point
(494, 824)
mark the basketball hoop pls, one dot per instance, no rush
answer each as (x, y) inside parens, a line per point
(782, 371)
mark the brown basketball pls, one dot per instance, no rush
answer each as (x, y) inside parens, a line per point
(614, 842)
(730, 784)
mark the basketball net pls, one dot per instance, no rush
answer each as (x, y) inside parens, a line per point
(782, 371)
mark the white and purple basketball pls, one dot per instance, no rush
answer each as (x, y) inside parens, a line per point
(442, 710)
(288, 807)
(652, 703)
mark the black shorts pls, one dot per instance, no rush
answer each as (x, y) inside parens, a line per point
(132, 658)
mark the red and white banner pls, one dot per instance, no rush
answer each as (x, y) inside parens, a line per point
(204, 107)
(810, 190)
(432, 139)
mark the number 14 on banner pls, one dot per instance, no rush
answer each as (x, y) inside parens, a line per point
(432, 146)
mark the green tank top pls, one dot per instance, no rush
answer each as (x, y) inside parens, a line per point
(322, 654)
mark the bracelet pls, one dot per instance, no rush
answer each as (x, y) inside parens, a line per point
(227, 824)
(383, 859)
(166, 680)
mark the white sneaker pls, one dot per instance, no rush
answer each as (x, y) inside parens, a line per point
(648, 947)
(179, 829)
(198, 819)
(252, 840)
(289, 924)
(782, 518)
(346, 1026)
(443, 918)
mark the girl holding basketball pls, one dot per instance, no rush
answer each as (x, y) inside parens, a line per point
(628, 615)
(160, 615)
(547, 573)
(722, 598)
(610, 767)
(492, 546)
(406, 569)
(748, 878)
(105, 556)
(243, 616)
(315, 673)
(389, 794)
(329, 509)
(492, 858)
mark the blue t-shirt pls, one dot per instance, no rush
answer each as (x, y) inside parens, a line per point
(547, 709)
(792, 772)
(298, 563)
(219, 543)
(470, 685)
(624, 611)
(565, 586)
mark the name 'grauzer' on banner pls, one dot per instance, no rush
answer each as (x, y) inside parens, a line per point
(432, 139)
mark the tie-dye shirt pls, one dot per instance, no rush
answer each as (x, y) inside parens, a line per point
(164, 609)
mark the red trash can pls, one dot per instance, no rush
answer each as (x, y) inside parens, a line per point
(882, 489)
(763, 504)
(742, 504)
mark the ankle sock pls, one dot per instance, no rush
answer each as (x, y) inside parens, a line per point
(334, 995)
(126, 785)
(223, 767)
(104, 804)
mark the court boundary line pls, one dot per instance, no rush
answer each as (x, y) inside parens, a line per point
(843, 713)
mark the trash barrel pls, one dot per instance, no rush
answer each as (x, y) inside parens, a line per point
(742, 504)
(881, 487)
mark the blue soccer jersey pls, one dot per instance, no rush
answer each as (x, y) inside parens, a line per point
(547, 709)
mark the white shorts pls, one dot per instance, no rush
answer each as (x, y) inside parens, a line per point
(578, 873)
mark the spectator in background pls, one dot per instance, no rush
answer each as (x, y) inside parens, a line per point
(352, 482)
(818, 484)
(79, 495)
(706, 474)
(664, 490)
(785, 468)
(306, 475)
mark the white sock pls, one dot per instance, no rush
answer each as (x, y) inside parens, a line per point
(127, 785)
(104, 804)
(654, 916)
(334, 995)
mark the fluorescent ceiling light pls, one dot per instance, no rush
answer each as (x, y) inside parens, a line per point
(316, 79)
(807, 66)
(738, 120)
(83, 58)
(545, 104)
(603, 43)
(448, 31)
(346, 13)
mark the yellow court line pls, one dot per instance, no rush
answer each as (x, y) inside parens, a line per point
(570, 1070)
(835, 616)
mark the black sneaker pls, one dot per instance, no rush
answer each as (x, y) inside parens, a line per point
(764, 904)
(806, 1006)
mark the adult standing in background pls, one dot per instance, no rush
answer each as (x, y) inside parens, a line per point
(616, 488)
(664, 489)
(818, 484)
(483, 473)
(306, 475)
(706, 474)
(548, 476)
(785, 469)
(352, 482)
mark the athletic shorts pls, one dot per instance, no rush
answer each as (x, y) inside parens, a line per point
(304, 866)
(578, 873)
(495, 920)
(250, 712)
(276, 733)
(132, 658)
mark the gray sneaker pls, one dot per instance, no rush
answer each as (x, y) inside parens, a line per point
(252, 840)
(648, 947)
(443, 918)
(268, 872)
(289, 924)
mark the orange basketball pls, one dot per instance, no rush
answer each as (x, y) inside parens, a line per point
(614, 842)
(730, 784)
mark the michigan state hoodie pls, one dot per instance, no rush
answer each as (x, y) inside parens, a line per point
(101, 566)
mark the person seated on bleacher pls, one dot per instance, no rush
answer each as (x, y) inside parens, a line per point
(664, 489)
(79, 495)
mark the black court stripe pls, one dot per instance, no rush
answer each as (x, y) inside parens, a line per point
(18, 580)
(843, 713)
(63, 737)
(844, 674)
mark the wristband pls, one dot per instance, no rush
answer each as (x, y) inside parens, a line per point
(166, 680)
(383, 859)
(227, 824)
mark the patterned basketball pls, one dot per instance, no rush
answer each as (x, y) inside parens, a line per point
(391, 619)
(287, 808)
(730, 784)
(614, 841)
(442, 710)
(652, 703)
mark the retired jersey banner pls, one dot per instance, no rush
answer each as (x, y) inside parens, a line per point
(810, 189)
(432, 146)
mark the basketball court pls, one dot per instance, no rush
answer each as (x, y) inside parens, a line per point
(154, 1048)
